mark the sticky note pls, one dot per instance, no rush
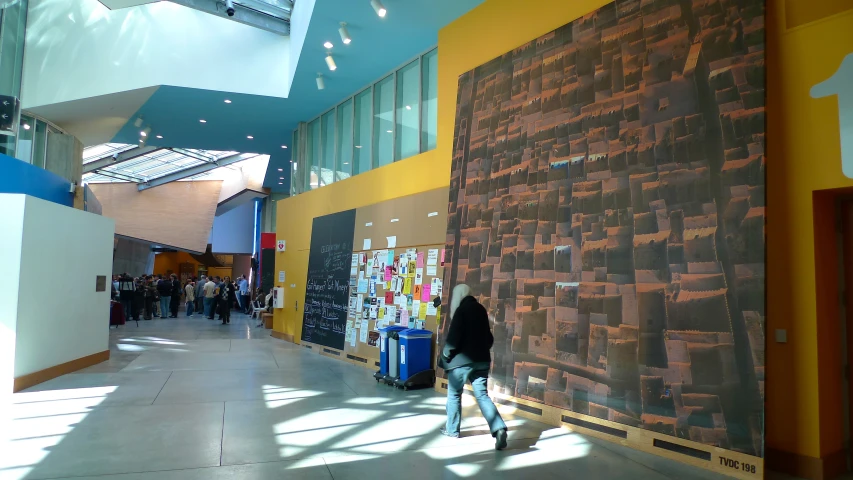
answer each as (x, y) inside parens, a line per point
(422, 313)
(420, 260)
(425, 291)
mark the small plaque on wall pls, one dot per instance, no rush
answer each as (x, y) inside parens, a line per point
(101, 283)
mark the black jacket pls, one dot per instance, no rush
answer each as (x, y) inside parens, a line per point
(470, 336)
(164, 288)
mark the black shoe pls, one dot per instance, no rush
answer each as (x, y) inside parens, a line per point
(444, 432)
(500, 439)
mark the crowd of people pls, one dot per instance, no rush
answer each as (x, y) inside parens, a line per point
(158, 296)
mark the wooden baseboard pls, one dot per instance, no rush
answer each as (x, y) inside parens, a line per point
(32, 379)
(719, 460)
(282, 336)
(806, 467)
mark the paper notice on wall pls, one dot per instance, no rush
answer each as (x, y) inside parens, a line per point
(416, 307)
(348, 332)
(381, 313)
(392, 241)
(404, 318)
(404, 268)
(413, 267)
(374, 312)
(367, 244)
(362, 334)
(425, 291)
(372, 287)
(431, 310)
(419, 276)
(354, 260)
(400, 300)
(441, 257)
(353, 336)
(422, 310)
(432, 256)
(362, 285)
(388, 273)
(420, 260)
(353, 271)
(391, 313)
(407, 286)
(432, 271)
(389, 297)
(359, 303)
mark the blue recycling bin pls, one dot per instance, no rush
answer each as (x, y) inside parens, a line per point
(384, 350)
(415, 358)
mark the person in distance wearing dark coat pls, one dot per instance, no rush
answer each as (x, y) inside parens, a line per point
(466, 358)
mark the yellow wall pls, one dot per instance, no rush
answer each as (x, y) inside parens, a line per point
(803, 416)
(803, 156)
(171, 261)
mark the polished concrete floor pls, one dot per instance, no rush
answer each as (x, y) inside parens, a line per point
(192, 399)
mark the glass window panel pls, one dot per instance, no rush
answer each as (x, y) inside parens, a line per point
(314, 154)
(361, 133)
(39, 143)
(429, 98)
(328, 123)
(408, 111)
(344, 140)
(383, 122)
(24, 151)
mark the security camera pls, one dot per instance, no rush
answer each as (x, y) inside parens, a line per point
(229, 7)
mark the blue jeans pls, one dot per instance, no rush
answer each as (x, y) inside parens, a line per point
(189, 309)
(479, 377)
(164, 306)
(208, 305)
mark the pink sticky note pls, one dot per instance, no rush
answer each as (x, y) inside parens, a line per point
(388, 274)
(404, 317)
(425, 291)
(420, 259)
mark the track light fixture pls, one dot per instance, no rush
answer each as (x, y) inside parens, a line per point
(321, 84)
(344, 33)
(380, 9)
(138, 122)
(331, 62)
(145, 132)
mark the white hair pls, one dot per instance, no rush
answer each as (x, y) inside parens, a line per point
(460, 291)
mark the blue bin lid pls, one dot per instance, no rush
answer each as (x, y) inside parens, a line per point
(390, 328)
(415, 333)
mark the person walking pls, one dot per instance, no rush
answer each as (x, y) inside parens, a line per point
(150, 297)
(190, 289)
(199, 295)
(243, 285)
(227, 297)
(466, 358)
(209, 296)
(175, 299)
(164, 288)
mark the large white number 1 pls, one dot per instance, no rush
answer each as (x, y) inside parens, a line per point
(841, 84)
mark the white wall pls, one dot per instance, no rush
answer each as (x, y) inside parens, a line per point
(80, 48)
(12, 228)
(232, 231)
(300, 18)
(60, 317)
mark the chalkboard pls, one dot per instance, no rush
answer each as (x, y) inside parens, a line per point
(327, 286)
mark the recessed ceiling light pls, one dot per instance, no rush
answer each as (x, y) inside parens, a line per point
(280, 169)
(284, 146)
(227, 101)
(159, 136)
(358, 146)
(408, 107)
(346, 163)
(26, 126)
(328, 44)
(389, 131)
(280, 183)
(202, 121)
(281, 178)
(250, 137)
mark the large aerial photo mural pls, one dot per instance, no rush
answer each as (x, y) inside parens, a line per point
(607, 208)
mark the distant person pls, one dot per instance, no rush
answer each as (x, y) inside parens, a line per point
(209, 296)
(243, 286)
(164, 288)
(138, 298)
(227, 298)
(190, 289)
(466, 358)
(150, 297)
(175, 298)
(199, 295)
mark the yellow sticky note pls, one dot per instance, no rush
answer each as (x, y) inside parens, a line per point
(422, 311)
(382, 312)
(407, 286)
(438, 315)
